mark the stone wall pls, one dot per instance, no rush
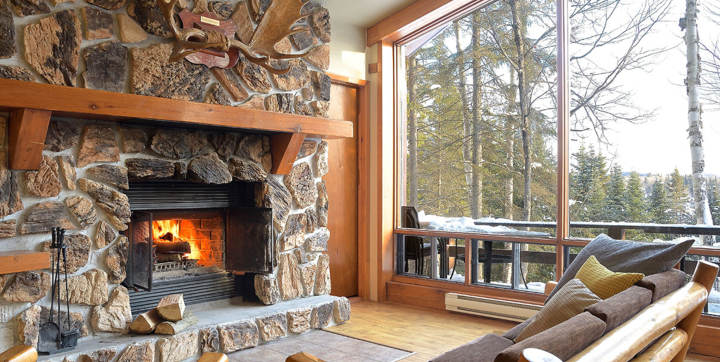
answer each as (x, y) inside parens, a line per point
(125, 46)
(86, 167)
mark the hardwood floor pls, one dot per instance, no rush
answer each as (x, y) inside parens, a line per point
(427, 332)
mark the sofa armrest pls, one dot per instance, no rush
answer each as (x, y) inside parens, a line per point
(549, 286)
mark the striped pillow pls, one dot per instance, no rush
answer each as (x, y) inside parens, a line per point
(569, 301)
(603, 281)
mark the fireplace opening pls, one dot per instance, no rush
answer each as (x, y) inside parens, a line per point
(205, 241)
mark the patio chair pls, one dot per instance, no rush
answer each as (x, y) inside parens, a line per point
(413, 244)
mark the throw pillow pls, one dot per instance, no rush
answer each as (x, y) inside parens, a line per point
(570, 301)
(627, 256)
(603, 281)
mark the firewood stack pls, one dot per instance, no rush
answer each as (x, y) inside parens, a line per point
(168, 317)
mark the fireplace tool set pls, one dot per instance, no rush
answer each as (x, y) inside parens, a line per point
(54, 337)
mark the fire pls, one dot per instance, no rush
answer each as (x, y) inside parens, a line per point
(165, 231)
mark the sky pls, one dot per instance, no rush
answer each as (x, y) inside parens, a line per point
(660, 145)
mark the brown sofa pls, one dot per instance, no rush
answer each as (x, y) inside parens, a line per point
(571, 337)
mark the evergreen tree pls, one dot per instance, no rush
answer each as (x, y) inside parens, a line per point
(588, 182)
(678, 200)
(615, 202)
(659, 203)
(714, 199)
(636, 205)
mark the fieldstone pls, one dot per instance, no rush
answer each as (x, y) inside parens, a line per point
(294, 234)
(284, 46)
(29, 286)
(307, 272)
(238, 335)
(115, 203)
(8, 229)
(110, 174)
(321, 315)
(322, 204)
(89, 288)
(101, 355)
(241, 18)
(104, 235)
(10, 201)
(307, 93)
(295, 78)
(153, 74)
(77, 321)
(260, 7)
(319, 57)
(4, 278)
(245, 170)
(321, 83)
(108, 4)
(322, 279)
(312, 220)
(307, 148)
(180, 143)
(144, 351)
(302, 40)
(52, 47)
(301, 184)
(255, 148)
(7, 32)
(320, 23)
(321, 108)
(43, 216)
(341, 311)
(78, 251)
(209, 340)
(45, 182)
(150, 17)
(209, 169)
(179, 347)
(318, 241)
(27, 325)
(289, 278)
(57, 2)
(98, 24)
(149, 168)
(28, 7)
(82, 209)
(301, 107)
(66, 164)
(266, 289)
(231, 82)
(225, 143)
(130, 30)
(217, 95)
(272, 327)
(116, 259)
(106, 66)
(222, 8)
(255, 76)
(61, 135)
(115, 315)
(133, 140)
(279, 102)
(255, 102)
(321, 159)
(12, 71)
(278, 197)
(98, 145)
(298, 321)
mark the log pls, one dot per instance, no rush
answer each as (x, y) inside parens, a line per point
(172, 328)
(176, 247)
(172, 307)
(213, 357)
(20, 353)
(164, 258)
(145, 323)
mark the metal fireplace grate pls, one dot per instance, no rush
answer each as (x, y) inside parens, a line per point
(175, 265)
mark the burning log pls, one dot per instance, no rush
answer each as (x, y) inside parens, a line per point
(176, 247)
(171, 307)
(145, 323)
(164, 258)
(172, 328)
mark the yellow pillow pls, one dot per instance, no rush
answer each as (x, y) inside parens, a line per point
(604, 282)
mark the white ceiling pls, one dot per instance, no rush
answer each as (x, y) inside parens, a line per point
(362, 13)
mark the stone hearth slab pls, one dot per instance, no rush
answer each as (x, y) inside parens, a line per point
(210, 315)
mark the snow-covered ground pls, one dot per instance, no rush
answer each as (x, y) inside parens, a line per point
(466, 224)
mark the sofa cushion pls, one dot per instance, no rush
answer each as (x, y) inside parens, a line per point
(564, 340)
(617, 309)
(662, 284)
(514, 332)
(483, 349)
(627, 256)
(603, 281)
(569, 301)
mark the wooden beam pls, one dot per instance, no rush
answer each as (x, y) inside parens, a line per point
(97, 104)
(26, 138)
(284, 148)
(23, 260)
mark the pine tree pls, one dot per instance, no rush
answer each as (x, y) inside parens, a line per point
(615, 202)
(659, 203)
(678, 199)
(588, 182)
(714, 199)
(636, 205)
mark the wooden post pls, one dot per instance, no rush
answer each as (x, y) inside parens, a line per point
(616, 232)
(285, 148)
(26, 138)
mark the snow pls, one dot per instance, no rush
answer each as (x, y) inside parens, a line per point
(466, 224)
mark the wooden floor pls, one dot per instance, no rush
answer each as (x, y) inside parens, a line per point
(426, 332)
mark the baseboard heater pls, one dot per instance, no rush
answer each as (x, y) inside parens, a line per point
(489, 307)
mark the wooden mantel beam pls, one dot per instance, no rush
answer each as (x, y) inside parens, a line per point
(26, 138)
(285, 148)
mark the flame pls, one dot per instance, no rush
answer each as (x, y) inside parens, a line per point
(162, 227)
